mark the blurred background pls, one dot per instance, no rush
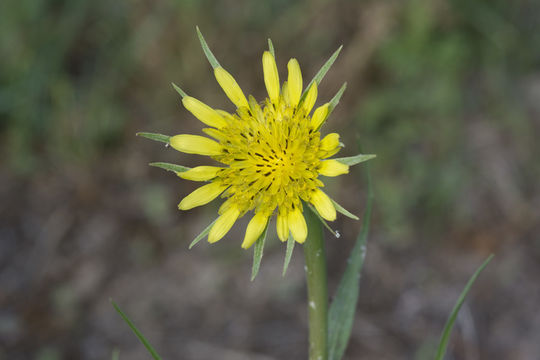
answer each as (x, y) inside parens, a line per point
(446, 93)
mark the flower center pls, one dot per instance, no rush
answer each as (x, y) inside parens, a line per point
(272, 158)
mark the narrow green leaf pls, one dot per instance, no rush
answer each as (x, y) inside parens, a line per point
(344, 211)
(209, 55)
(334, 232)
(142, 339)
(334, 102)
(271, 48)
(445, 336)
(156, 137)
(178, 90)
(322, 72)
(357, 159)
(342, 309)
(288, 254)
(258, 254)
(115, 354)
(201, 235)
(170, 167)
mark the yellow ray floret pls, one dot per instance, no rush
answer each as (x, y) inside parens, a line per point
(271, 154)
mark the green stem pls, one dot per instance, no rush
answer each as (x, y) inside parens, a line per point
(315, 257)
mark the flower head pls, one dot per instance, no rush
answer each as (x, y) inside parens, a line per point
(272, 153)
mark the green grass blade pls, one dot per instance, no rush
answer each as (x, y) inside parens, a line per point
(342, 309)
(344, 211)
(271, 48)
(258, 254)
(445, 336)
(142, 339)
(178, 90)
(288, 254)
(209, 55)
(357, 159)
(170, 167)
(156, 137)
(202, 235)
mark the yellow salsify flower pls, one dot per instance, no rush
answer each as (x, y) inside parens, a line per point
(272, 154)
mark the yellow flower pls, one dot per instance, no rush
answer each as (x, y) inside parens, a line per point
(271, 153)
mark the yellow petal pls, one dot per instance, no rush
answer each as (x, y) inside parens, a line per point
(230, 87)
(333, 168)
(254, 229)
(202, 195)
(203, 112)
(195, 144)
(319, 115)
(310, 99)
(271, 76)
(223, 224)
(297, 225)
(295, 82)
(329, 142)
(200, 173)
(324, 205)
(282, 226)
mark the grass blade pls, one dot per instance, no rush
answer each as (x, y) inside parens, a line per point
(170, 167)
(142, 339)
(445, 336)
(342, 309)
(288, 254)
(156, 137)
(258, 254)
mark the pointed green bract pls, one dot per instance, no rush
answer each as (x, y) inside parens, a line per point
(271, 48)
(322, 72)
(115, 354)
(342, 309)
(288, 254)
(178, 90)
(445, 336)
(344, 211)
(258, 253)
(202, 235)
(357, 159)
(142, 339)
(334, 232)
(209, 55)
(170, 167)
(156, 137)
(335, 100)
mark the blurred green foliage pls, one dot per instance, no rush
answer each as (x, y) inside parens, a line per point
(79, 78)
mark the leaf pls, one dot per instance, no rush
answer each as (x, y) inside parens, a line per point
(342, 309)
(142, 339)
(156, 137)
(201, 235)
(344, 211)
(170, 167)
(178, 90)
(322, 72)
(445, 336)
(271, 48)
(288, 254)
(334, 232)
(335, 100)
(258, 253)
(357, 159)
(209, 55)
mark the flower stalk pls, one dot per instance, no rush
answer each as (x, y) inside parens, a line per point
(317, 288)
